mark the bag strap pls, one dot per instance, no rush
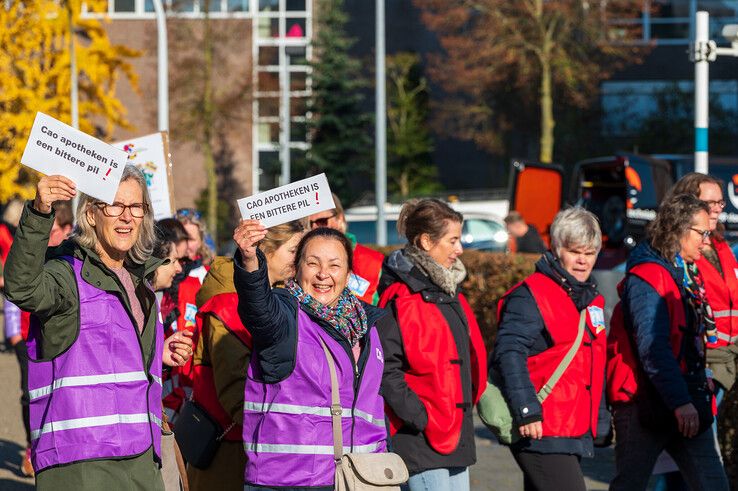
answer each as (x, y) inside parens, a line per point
(551, 383)
(336, 409)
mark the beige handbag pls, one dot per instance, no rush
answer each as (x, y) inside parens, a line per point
(360, 471)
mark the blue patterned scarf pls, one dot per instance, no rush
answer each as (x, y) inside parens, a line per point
(347, 317)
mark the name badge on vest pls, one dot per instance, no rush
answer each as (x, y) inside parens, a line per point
(735, 270)
(190, 313)
(597, 318)
(358, 285)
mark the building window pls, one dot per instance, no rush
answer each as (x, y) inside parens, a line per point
(295, 5)
(124, 5)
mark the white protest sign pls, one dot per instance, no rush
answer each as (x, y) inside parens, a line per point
(290, 202)
(56, 148)
(150, 154)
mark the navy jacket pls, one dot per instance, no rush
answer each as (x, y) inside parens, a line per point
(646, 316)
(271, 316)
(521, 334)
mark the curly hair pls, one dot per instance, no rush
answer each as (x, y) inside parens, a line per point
(673, 220)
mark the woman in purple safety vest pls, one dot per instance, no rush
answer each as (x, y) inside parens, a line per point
(95, 346)
(287, 431)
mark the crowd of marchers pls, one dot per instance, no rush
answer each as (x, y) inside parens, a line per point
(150, 363)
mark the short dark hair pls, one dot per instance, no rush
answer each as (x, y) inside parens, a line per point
(673, 220)
(169, 232)
(325, 233)
(425, 216)
(513, 217)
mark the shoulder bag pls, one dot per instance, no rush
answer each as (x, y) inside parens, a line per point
(492, 407)
(360, 471)
(197, 434)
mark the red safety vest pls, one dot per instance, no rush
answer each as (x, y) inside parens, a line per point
(572, 408)
(433, 369)
(623, 369)
(722, 293)
(224, 307)
(367, 266)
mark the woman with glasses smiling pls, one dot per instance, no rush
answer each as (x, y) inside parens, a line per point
(667, 319)
(96, 348)
(719, 271)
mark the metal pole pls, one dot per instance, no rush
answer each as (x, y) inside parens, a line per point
(284, 117)
(381, 128)
(163, 66)
(701, 91)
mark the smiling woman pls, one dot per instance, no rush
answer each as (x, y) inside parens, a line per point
(96, 325)
(294, 330)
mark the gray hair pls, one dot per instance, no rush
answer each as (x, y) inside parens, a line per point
(575, 227)
(84, 234)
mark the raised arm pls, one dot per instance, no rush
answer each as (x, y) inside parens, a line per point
(31, 283)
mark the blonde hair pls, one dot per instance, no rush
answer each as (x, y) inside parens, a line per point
(278, 235)
(84, 233)
(193, 216)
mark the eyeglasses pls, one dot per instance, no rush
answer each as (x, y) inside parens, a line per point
(138, 210)
(704, 233)
(322, 222)
(711, 202)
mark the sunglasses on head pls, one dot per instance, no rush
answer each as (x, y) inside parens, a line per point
(322, 222)
(189, 213)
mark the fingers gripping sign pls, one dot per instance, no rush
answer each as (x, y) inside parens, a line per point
(53, 188)
(247, 236)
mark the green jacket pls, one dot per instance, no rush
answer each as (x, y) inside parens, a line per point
(38, 281)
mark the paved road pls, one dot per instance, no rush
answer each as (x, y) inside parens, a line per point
(495, 469)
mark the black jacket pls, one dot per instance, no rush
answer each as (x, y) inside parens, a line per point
(522, 334)
(271, 315)
(409, 442)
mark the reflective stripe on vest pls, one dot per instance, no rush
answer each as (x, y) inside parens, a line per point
(306, 449)
(259, 407)
(111, 378)
(72, 424)
(724, 313)
(725, 337)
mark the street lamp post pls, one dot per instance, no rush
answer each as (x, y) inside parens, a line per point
(704, 50)
(163, 64)
(381, 128)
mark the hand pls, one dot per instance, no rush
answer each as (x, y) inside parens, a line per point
(177, 349)
(53, 188)
(247, 235)
(532, 430)
(688, 420)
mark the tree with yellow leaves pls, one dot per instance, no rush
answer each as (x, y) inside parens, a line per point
(35, 75)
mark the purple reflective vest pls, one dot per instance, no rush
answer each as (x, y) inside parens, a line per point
(96, 400)
(287, 431)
